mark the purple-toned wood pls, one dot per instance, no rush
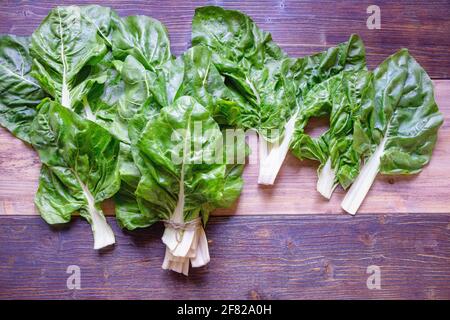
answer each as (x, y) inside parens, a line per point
(252, 257)
(300, 27)
(270, 257)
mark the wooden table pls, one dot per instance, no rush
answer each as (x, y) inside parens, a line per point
(277, 242)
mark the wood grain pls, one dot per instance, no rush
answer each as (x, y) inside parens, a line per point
(300, 27)
(301, 257)
(293, 193)
(404, 225)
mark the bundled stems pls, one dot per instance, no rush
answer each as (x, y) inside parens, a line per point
(359, 189)
(185, 241)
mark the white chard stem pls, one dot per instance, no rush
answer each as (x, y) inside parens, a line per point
(359, 189)
(184, 246)
(270, 161)
(65, 95)
(326, 182)
(103, 234)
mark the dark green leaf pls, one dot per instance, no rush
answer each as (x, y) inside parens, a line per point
(19, 92)
(81, 168)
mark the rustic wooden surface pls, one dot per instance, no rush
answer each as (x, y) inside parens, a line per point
(304, 257)
(403, 226)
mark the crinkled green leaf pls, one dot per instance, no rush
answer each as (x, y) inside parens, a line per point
(252, 65)
(101, 17)
(137, 96)
(80, 166)
(344, 98)
(314, 69)
(194, 74)
(19, 92)
(131, 212)
(104, 101)
(399, 134)
(162, 154)
(54, 198)
(65, 47)
(405, 114)
(142, 37)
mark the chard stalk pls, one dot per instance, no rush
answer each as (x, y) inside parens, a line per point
(103, 234)
(65, 93)
(326, 182)
(270, 161)
(359, 189)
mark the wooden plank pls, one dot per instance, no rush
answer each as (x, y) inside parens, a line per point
(300, 257)
(300, 27)
(293, 193)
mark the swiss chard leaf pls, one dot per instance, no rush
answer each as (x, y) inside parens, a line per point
(169, 136)
(344, 98)
(272, 83)
(142, 37)
(138, 97)
(183, 179)
(252, 64)
(399, 135)
(131, 212)
(104, 101)
(142, 43)
(19, 91)
(65, 47)
(194, 74)
(405, 115)
(102, 18)
(314, 69)
(80, 168)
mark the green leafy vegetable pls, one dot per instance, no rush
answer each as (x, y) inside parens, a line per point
(146, 92)
(308, 72)
(19, 92)
(80, 168)
(103, 104)
(272, 83)
(252, 64)
(194, 74)
(142, 37)
(65, 47)
(142, 43)
(102, 18)
(345, 98)
(181, 184)
(401, 132)
(132, 122)
(137, 97)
